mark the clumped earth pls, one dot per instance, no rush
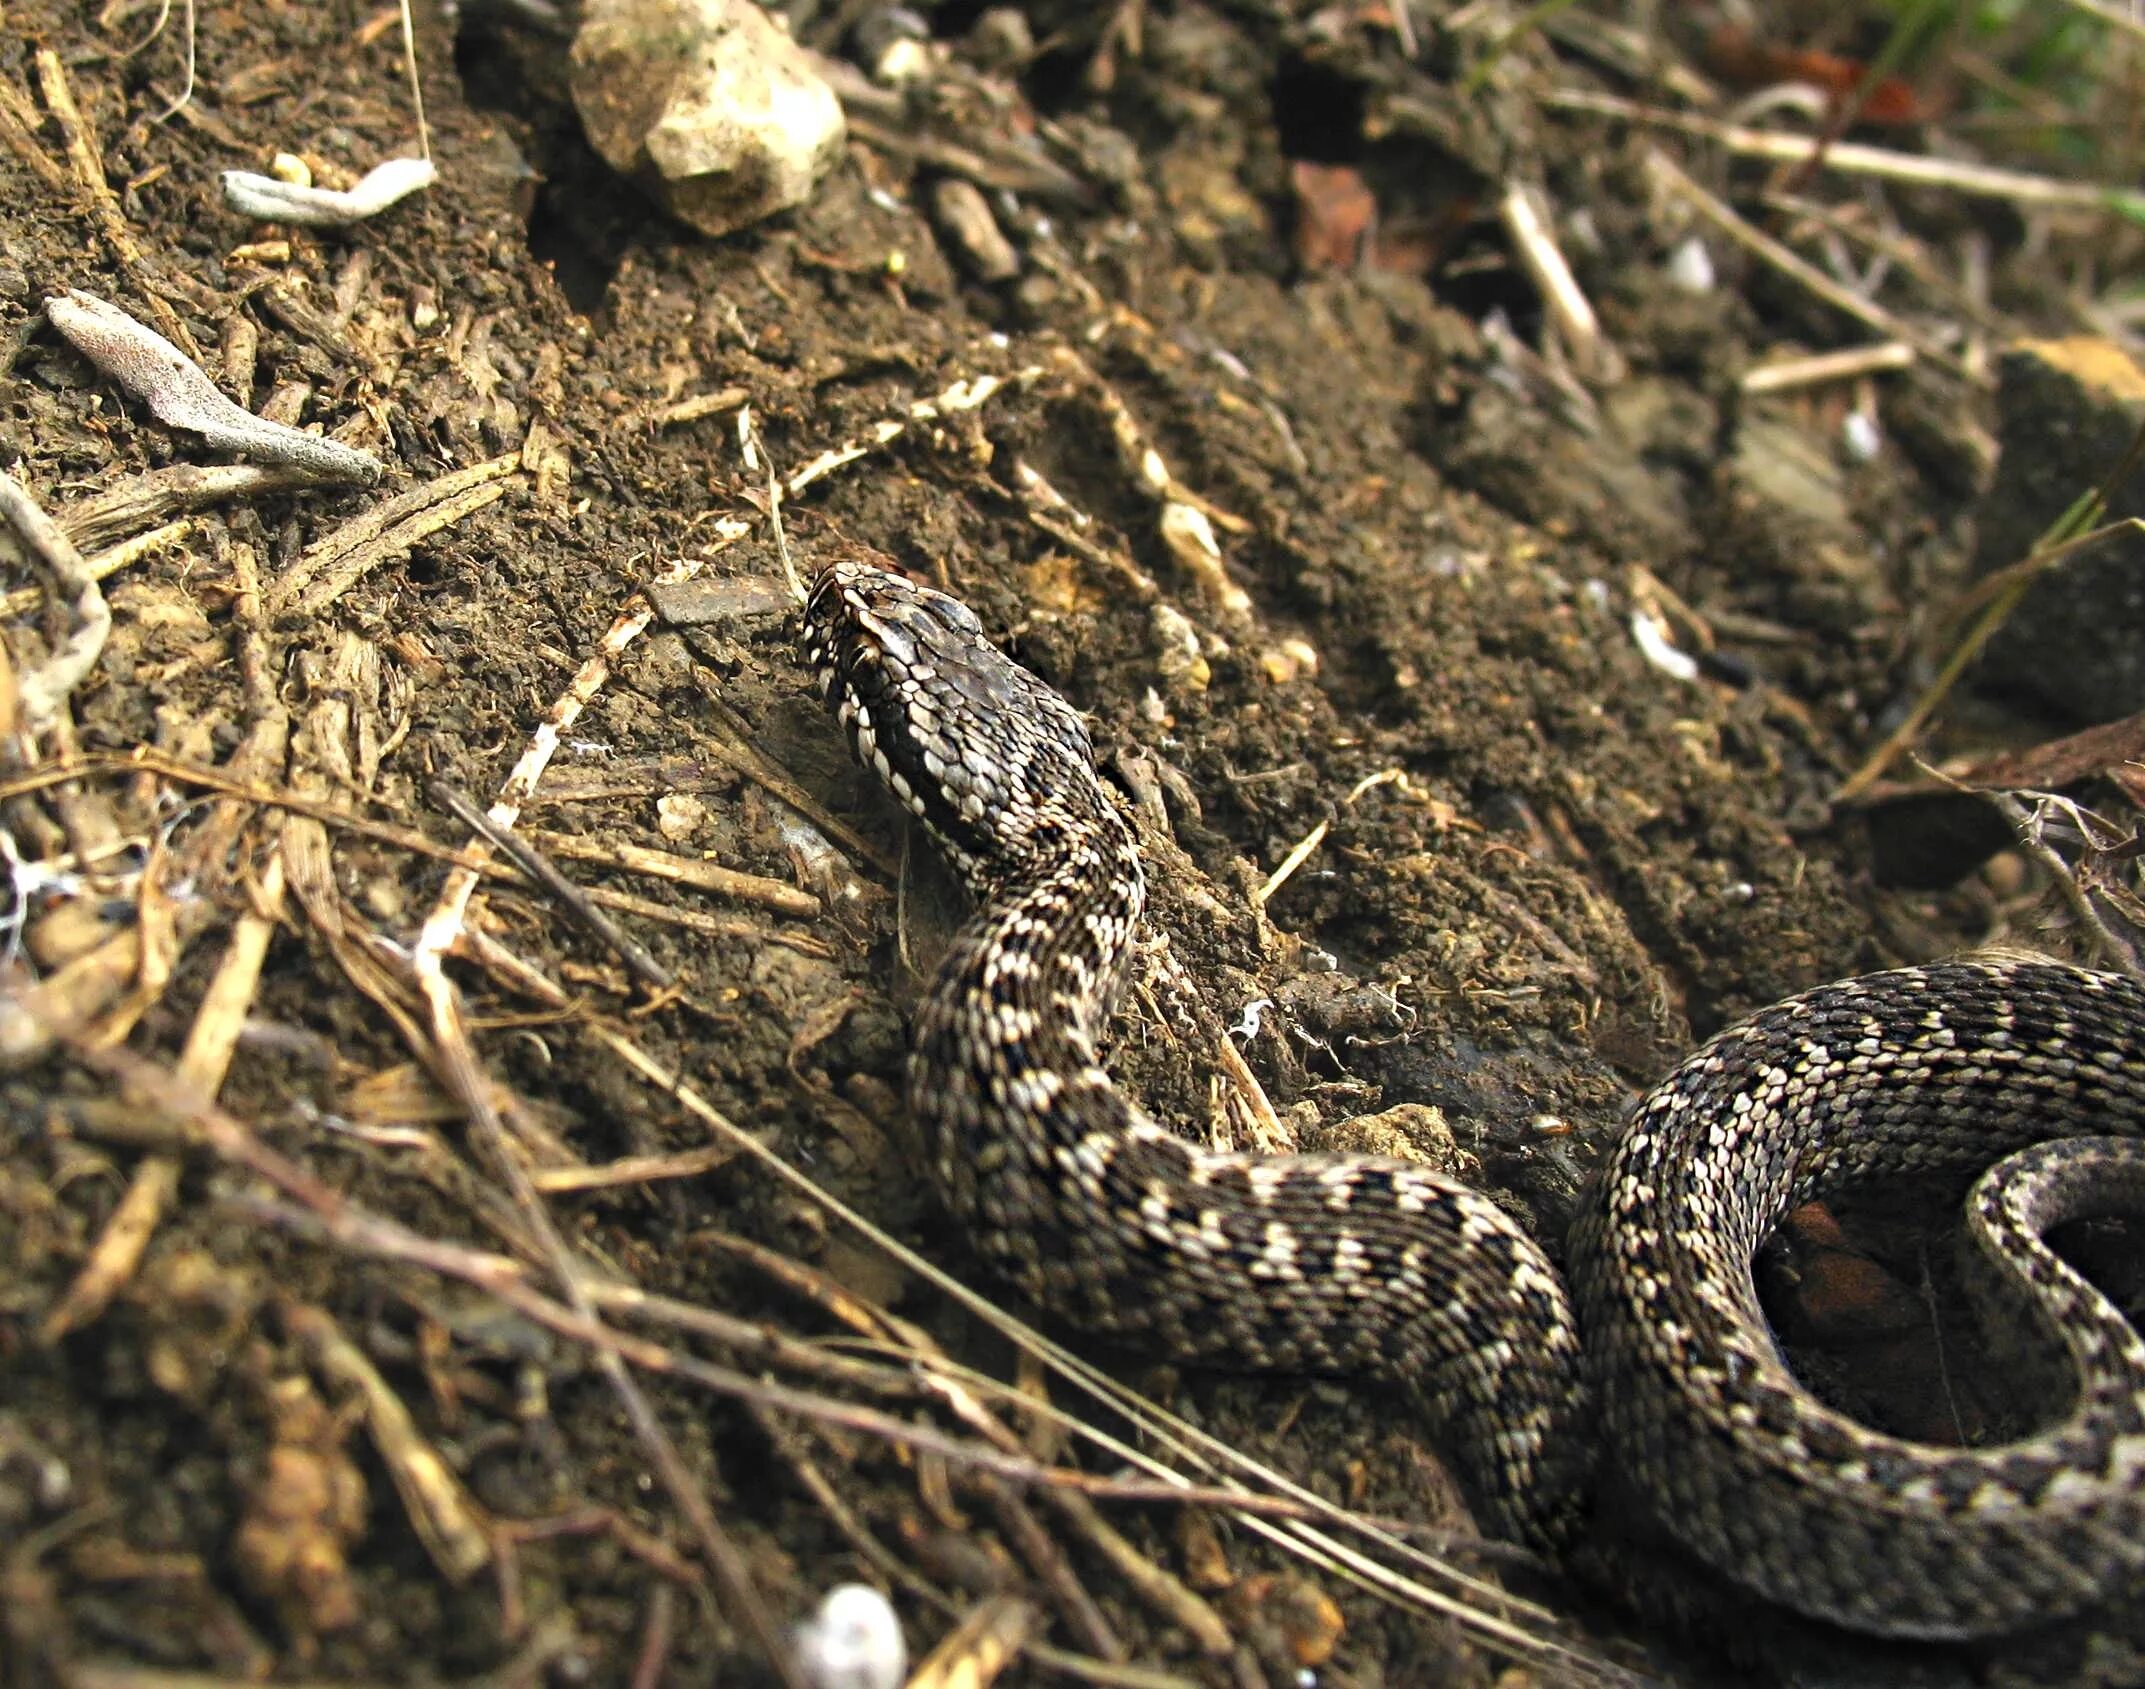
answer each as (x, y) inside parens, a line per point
(1530, 864)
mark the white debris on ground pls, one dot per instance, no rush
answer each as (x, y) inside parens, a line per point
(277, 199)
(708, 104)
(851, 1641)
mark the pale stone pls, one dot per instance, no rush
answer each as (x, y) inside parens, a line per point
(679, 815)
(708, 104)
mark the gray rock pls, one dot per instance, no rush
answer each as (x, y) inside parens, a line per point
(2068, 410)
(708, 104)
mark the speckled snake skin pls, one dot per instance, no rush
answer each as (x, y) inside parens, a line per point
(1358, 1266)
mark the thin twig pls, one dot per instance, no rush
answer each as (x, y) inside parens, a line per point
(1762, 245)
(1561, 294)
(1821, 368)
(1998, 596)
(1487, 1612)
(105, 563)
(377, 536)
(43, 691)
(456, 1059)
(210, 1044)
(1851, 158)
(537, 866)
(97, 196)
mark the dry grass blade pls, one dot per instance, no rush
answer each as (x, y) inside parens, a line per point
(387, 531)
(43, 692)
(1850, 158)
(210, 1045)
(1995, 599)
(102, 207)
(1763, 246)
(1482, 1609)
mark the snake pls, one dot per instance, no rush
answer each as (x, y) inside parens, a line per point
(2019, 1082)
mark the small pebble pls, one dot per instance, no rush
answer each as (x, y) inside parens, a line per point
(894, 45)
(1690, 267)
(1178, 659)
(679, 815)
(964, 216)
(852, 1641)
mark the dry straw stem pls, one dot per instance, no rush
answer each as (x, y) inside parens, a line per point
(692, 409)
(537, 866)
(336, 562)
(967, 394)
(1869, 228)
(18, 133)
(1055, 1574)
(1763, 246)
(1995, 598)
(42, 692)
(442, 930)
(106, 563)
(1184, 520)
(210, 1043)
(361, 1231)
(75, 995)
(782, 898)
(1432, 1583)
(144, 760)
(1985, 181)
(454, 1059)
(981, 1646)
(1172, 1601)
(445, 1517)
(1561, 294)
(792, 1443)
(1823, 368)
(689, 918)
(136, 501)
(96, 195)
(632, 1170)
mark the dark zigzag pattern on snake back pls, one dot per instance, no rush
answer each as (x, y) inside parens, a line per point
(1381, 1268)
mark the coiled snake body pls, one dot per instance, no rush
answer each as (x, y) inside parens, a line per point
(1360, 1266)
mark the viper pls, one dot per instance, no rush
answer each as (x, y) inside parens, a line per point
(2021, 1078)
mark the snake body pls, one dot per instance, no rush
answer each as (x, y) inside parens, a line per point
(1358, 1266)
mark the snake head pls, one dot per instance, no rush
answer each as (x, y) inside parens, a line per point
(986, 756)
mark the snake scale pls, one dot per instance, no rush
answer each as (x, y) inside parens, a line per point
(1658, 1358)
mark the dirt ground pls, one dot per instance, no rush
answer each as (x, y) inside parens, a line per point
(273, 1437)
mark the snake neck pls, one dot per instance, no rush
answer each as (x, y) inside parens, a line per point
(1294, 1264)
(1004, 1076)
